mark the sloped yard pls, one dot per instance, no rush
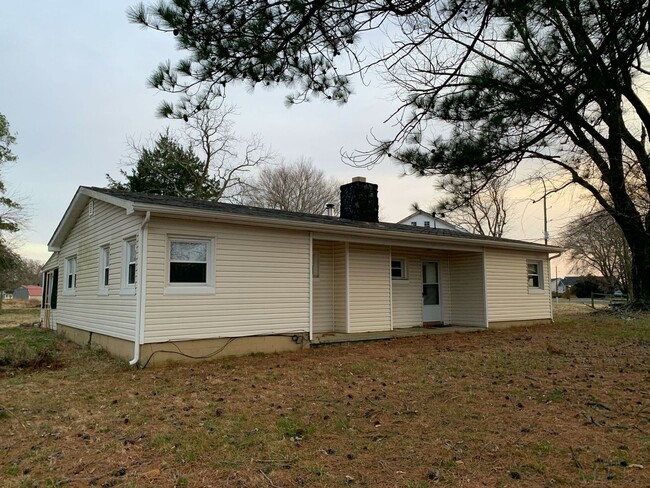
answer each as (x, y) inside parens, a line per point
(566, 404)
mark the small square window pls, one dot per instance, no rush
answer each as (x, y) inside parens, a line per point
(535, 278)
(398, 269)
(414, 224)
(427, 224)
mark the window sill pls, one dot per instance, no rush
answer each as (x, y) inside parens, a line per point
(189, 290)
(127, 291)
(400, 280)
(536, 291)
(70, 293)
(102, 293)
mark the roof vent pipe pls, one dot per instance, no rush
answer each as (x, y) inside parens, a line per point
(330, 209)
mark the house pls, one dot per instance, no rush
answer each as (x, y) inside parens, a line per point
(30, 293)
(153, 278)
(558, 286)
(420, 218)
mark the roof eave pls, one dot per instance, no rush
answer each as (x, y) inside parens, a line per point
(76, 206)
(333, 228)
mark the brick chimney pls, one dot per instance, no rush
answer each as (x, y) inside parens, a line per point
(359, 201)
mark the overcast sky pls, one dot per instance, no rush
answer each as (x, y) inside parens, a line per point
(74, 90)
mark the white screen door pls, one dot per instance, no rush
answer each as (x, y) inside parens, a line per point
(431, 311)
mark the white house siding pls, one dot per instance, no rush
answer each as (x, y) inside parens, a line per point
(323, 286)
(509, 298)
(261, 283)
(112, 314)
(340, 286)
(407, 293)
(467, 305)
(369, 288)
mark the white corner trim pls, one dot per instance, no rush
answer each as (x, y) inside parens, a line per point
(311, 286)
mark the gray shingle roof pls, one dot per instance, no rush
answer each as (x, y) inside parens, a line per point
(192, 203)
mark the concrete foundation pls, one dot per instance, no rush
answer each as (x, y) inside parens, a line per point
(207, 349)
(120, 348)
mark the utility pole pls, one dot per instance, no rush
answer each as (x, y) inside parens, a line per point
(545, 212)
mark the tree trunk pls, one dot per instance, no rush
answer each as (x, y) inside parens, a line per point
(640, 250)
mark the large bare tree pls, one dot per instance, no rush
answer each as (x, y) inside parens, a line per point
(207, 161)
(557, 82)
(477, 206)
(594, 241)
(298, 187)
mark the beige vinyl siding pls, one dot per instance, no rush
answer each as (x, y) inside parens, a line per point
(113, 314)
(323, 286)
(407, 294)
(507, 287)
(340, 286)
(261, 283)
(369, 288)
(466, 283)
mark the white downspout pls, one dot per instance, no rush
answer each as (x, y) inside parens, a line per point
(311, 286)
(140, 291)
(485, 292)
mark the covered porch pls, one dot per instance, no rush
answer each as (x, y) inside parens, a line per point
(362, 288)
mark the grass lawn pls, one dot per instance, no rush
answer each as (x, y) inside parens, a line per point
(566, 404)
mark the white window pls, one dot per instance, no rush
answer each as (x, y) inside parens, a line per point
(70, 269)
(129, 265)
(104, 269)
(414, 224)
(190, 265)
(398, 269)
(315, 265)
(427, 224)
(535, 278)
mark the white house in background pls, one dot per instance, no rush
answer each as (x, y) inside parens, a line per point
(149, 276)
(420, 218)
(558, 286)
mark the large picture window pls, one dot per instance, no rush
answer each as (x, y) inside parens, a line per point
(188, 261)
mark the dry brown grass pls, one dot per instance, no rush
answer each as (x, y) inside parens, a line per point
(565, 404)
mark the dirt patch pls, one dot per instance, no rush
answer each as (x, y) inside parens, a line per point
(564, 404)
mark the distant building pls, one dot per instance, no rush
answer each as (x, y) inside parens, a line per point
(558, 286)
(425, 219)
(30, 293)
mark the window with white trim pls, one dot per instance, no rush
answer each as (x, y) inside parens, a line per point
(188, 261)
(427, 223)
(414, 224)
(104, 268)
(129, 263)
(535, 275)
(70, 268)
(398, 269)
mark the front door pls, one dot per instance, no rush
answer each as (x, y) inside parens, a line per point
(431, 311)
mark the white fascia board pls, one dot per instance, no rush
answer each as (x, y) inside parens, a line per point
(437, 242)
(72, 213)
